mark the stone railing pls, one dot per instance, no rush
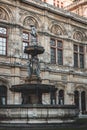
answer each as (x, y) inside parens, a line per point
(38, 113)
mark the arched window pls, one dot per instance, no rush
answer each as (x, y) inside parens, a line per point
(80, 100)
(83, 102)
(76, 98)
(61, 97)
(3, 95)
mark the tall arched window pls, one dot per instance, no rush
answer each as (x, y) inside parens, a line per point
(76, 98)
(3, 95)
(83, 101)
(61, 97)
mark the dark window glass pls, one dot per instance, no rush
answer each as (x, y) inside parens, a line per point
(56, 52)
(61, 97)
(75, 60)
(81, 61)
(81, 49)
(79, 56)
(52, 42)
(76, 98)
(53, 55)
(59, 44)
(60, 57)
(83, 101)
(75, 48)
(3, 95)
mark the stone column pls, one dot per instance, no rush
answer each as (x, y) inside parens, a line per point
(69, 94)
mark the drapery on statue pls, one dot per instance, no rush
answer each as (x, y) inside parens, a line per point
(36, 66)
(33, 67)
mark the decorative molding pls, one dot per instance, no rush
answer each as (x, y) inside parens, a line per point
(28, 21)
(56, 30)
(78, 36)
(3, 15)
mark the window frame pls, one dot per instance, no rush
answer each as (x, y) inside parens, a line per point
(56, 51)
(6, 37)
(25, 41)
(79, 53)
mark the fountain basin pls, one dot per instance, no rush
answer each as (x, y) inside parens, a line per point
(44, 88)
(38, 113)
(34, 50)
(32, 93)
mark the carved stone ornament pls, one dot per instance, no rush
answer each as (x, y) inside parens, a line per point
(78, 36)
(56, 30)
(30, 21)
(3, 15)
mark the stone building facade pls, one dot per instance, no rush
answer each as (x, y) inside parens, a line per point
(57, 3)
(79, 7)
(64, 63)
(76, 6)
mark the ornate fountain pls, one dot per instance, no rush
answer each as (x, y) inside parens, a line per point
(32, 109)
(33, 89)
